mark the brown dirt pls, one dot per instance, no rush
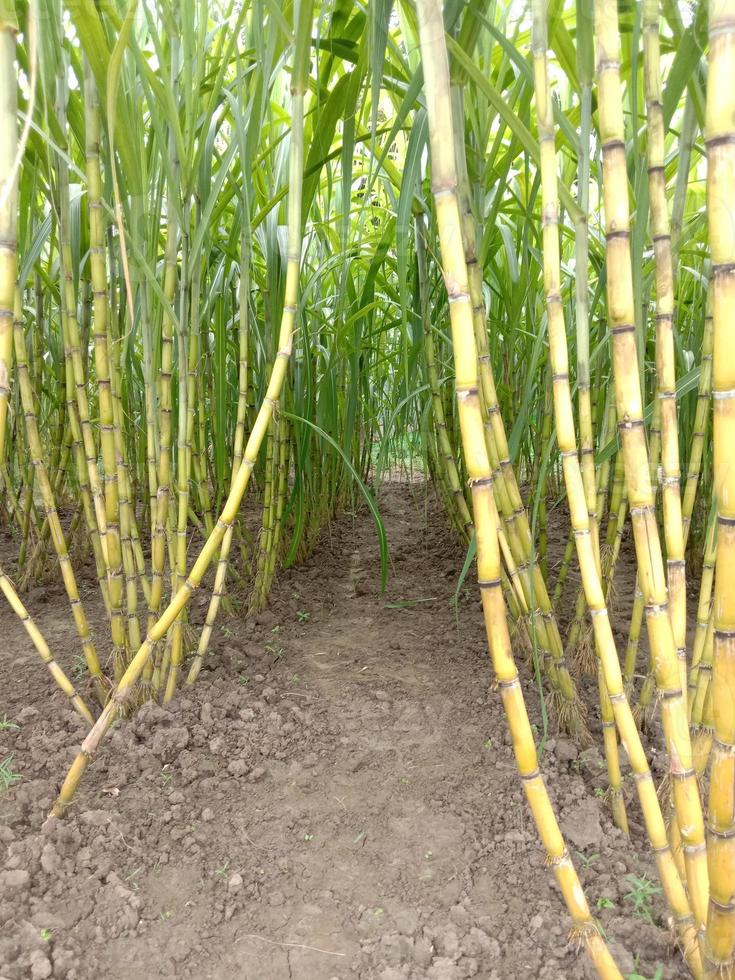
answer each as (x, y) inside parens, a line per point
(336, 798)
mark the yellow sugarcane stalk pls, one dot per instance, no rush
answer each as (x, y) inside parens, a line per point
(665, 354)
(52, 516)
(8, 202)
(585, 531)
(125, 689)
(629, 400)
(444, 187)
(77, 701)
(570, 709)
(669, 477)
(720, 141)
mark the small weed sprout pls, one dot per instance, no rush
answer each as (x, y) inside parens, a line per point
(640, 894)
(7, 776)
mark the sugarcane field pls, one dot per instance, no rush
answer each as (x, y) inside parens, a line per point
(367, 489)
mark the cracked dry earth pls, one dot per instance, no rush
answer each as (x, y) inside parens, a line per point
(336, 798)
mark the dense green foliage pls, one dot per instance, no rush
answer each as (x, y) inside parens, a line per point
(193, 177)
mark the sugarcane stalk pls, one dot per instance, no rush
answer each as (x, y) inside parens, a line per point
(704, 605)
(570, 709)
(701, 422)
(720, 141)
(164, 476)
(258, 598)
(282, 462)
(703, 681)
(585, 69)
(621, 314)
(220, 580)
(459, 510)
(543, 535)
(665, 354)
(183, 460)
(8, 203)
(98, 271)
(579, 500)
(125, 688)
(99, 681)
(57, 672)
(444, 188)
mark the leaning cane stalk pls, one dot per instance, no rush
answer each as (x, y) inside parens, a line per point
(52, 516)
(570, 709)
(126, 686)
(77, 701)
(444, 187)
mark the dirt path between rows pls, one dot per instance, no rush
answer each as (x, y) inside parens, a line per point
(336, 798)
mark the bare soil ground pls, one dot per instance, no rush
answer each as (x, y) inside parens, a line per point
(336, 798)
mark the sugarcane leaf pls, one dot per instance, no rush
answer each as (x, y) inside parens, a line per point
(367, 496)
